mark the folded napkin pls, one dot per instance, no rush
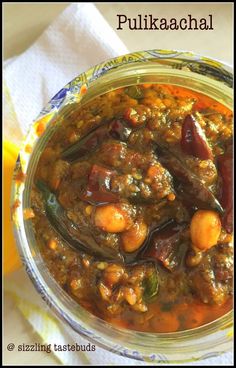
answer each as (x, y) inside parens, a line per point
(78, 39)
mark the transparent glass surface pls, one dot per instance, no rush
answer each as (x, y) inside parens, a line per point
(155, 66)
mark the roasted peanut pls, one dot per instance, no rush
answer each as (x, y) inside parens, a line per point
(205, 229)
(111, 218)
(130, 295)
(104, 291)
(133, 238)
(112, 274)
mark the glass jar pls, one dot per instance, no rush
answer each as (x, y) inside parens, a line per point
(156, 66)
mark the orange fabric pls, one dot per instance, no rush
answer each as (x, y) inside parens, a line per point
(11, 259)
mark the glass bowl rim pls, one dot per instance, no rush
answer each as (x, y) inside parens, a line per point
(61, 99)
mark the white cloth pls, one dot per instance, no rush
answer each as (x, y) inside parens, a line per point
(78, 39)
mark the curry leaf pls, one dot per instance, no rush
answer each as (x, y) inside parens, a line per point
(150, 285)
(77, 239)
(134, 92)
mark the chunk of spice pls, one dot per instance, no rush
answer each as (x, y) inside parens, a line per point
(193, 139)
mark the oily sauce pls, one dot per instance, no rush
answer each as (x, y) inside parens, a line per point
(138, 175)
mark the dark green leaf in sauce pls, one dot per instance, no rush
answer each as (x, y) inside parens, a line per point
(150, 285)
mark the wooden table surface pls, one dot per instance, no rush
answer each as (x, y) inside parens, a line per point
(23, 24)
